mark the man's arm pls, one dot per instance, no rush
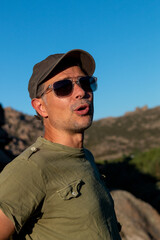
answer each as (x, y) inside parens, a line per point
(6, 226)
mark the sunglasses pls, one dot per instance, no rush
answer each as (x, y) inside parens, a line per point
(65, 87)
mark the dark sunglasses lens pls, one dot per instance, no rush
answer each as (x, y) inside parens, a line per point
(88, 83)
(63, 88)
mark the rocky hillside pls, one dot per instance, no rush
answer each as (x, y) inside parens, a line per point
(108, 138)
(22, 128)
(111, 138)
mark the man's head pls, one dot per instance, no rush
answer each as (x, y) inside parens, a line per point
(53, 64)
(61, 89)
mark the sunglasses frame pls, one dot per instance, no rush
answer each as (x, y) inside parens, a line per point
(77, 81)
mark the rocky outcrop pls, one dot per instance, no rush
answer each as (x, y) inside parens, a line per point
(23, 129)
(138, 219)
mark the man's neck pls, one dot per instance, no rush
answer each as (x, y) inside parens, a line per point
(68, 139)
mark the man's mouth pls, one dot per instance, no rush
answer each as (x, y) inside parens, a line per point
(82, 109)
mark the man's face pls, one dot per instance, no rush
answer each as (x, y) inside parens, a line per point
(71, 113)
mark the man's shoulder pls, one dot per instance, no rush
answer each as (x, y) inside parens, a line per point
(26, 157)
(39, 154)
(32, 150)
(23, 167)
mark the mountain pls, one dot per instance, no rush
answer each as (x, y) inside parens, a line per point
(112, 138)
(108, 138)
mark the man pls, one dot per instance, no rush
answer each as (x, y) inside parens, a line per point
(53, 189)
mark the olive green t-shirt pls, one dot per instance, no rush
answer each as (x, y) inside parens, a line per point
(54, 192)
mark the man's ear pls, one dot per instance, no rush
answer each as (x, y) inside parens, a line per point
(38, 105)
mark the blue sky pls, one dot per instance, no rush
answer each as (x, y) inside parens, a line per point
(122, 35)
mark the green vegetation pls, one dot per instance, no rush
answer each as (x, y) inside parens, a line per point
(148, 162)
(138, 173)
(145, 162)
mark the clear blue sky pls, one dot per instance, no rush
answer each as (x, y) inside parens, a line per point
(122, 35)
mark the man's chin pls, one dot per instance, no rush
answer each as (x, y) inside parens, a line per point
(83, 125)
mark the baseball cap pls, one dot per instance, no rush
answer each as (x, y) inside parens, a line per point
(44, 68)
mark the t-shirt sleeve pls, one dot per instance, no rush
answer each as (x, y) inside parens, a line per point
(22, 189)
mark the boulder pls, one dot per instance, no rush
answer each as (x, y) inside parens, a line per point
(138, 219)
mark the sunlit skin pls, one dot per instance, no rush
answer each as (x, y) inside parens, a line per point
(6, 227)
(62, 123)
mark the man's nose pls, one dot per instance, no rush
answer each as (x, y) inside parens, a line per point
(78, 90)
